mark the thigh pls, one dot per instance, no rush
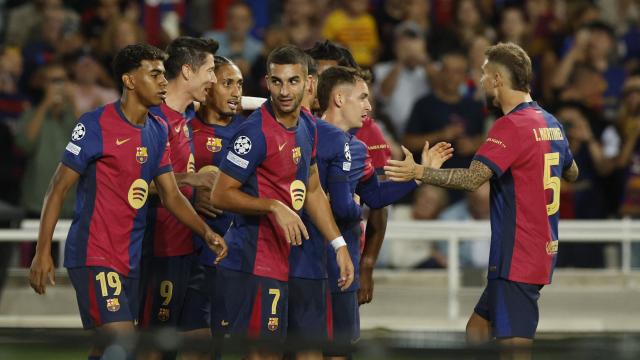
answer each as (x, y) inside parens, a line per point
(307, 317)
(104, 296)
(513, 308)
(196, 310)
(167, 286)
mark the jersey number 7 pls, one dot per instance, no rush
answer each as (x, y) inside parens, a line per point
(552, 182)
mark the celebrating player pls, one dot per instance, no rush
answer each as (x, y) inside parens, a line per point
(212, 131)
(524, 156)
(269, 175)
(343, 98)
(329, 54)
(115, 152)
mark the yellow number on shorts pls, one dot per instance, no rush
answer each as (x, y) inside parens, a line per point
(166, 291)
(552, 182)
(112, 279)
(274, 304)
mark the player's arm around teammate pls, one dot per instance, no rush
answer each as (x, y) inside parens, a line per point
(180, 207)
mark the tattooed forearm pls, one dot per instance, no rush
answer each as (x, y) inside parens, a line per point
(459, 179)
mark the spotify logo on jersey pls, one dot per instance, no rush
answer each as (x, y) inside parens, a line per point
(138, 192)
(298, 191)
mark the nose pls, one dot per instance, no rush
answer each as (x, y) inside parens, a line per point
(367, 105)
(236, 90)
(284, 89)
(163, 81)
(214, 79)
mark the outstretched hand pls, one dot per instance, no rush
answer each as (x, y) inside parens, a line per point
(437, 155)
(402, 170)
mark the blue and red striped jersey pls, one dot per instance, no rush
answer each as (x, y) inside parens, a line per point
(271, 162)
(528, 151)
(170, 236)
(116, 161)
(210, 146)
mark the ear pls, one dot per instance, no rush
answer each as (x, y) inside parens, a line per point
(266, 79)
(128, 81)
(311, 85)
(185, 71)
(338, 98)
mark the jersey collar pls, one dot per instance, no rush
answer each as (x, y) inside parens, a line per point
(524, 105)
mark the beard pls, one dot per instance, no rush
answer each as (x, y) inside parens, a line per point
(491, 102)
(295, 104)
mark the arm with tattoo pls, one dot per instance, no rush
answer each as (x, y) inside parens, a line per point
(460, 179)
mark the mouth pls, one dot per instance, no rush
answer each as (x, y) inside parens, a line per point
(233, 104)
(163, 94)
(286, 102)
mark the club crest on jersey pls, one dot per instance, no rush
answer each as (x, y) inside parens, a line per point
(113, 305)
(296, 154)
(141, 154)
(272, 325)
(138, 192)
(163, 314)
(185, 129)
(298, 192)
(214, 144)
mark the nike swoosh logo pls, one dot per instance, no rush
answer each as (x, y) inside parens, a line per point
(281, 146)
(195, 130)
(120, 142)
(177, 129)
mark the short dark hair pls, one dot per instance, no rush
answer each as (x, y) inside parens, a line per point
(190, 51)
(131, 57)
(221, 60)
(515, 60)
(286, 55)
(312, 66)
(332, 77)
(328, 50)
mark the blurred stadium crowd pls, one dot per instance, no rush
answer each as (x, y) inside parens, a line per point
(425, 57)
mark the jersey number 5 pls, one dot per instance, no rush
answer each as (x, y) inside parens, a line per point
(552, 182)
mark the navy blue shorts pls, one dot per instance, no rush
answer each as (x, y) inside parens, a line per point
(197, 312)
(511, 307)
(346, 317)
(104, 296)
(165, 292)
(250, 306)
(308, 317)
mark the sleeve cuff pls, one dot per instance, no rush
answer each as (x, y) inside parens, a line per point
(234, 174)
(163, 170)
(493, 166)
(73, 166)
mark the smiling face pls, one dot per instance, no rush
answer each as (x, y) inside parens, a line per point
(203, 79)
(286, 84)
(149, 82)
(225, 95)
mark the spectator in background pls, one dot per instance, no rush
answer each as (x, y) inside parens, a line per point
(256, 85)
(95, 20)
(585, 198)
(587, 86)
(446, 115)
(388, 15)
(401, 82)
(514, 27)
(236, 42)
(301, 23)
(119, 33)
(467, 23)
(476, 60)
(475, 206)
(25, 21)
(43, 133)
(352, 26)
(428, 203)
(594, 45)
(629, 158)
(86, 90)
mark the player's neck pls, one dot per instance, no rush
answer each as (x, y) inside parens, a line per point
(177, 97)
(134, 111)
(333, 116)
(512, 98)
(212, 117)
(289, 120)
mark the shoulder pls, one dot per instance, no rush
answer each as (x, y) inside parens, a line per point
(91, 119)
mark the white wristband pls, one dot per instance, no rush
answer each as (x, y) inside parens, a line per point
(338, 242)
